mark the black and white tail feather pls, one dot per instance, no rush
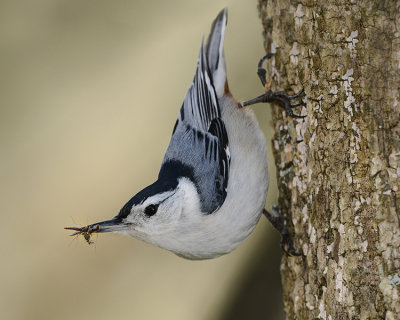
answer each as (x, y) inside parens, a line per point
(199, 137)
(215, 52)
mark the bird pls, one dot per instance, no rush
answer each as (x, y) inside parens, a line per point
(212, 185)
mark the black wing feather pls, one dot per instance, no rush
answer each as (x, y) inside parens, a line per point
(200, 139)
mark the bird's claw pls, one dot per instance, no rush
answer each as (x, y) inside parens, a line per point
(280, 97)
(298, 94)
(287, 246)
(284, 100)
(278, 223)
(261, 72)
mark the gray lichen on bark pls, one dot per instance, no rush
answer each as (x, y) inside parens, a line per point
(339, 168)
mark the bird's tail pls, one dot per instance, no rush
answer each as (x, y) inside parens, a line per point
(215, 53)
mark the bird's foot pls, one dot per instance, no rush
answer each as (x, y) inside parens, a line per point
(261, 72)
(280, 97)
(279, 224)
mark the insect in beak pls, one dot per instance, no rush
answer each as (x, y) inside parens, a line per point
(86, 232)
(114, 224)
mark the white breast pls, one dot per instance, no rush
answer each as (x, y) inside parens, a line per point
(248, 178)
(222, 231)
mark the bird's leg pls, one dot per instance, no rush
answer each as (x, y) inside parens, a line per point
(279, 224)
(280, 97)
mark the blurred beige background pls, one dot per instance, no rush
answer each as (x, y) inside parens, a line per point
(89, 93)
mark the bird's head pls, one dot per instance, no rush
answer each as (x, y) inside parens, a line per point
(160, 214)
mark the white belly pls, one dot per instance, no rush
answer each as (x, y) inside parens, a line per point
(195, 235)
(222, 231)
(248, 177)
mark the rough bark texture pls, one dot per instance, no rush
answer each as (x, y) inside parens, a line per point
(339, 168)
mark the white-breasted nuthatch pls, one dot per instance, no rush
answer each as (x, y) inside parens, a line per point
(213, 181)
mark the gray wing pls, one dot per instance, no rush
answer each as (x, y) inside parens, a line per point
(200, 105)
(200, 141)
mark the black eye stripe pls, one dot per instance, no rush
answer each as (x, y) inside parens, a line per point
(151, 210)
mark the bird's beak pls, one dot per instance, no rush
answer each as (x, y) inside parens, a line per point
(114, 224)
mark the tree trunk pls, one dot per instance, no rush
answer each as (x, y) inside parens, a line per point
(339, 168)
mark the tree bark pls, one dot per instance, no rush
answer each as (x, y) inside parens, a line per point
(339, 168)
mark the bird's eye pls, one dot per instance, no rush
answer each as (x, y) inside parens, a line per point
(151, 210)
